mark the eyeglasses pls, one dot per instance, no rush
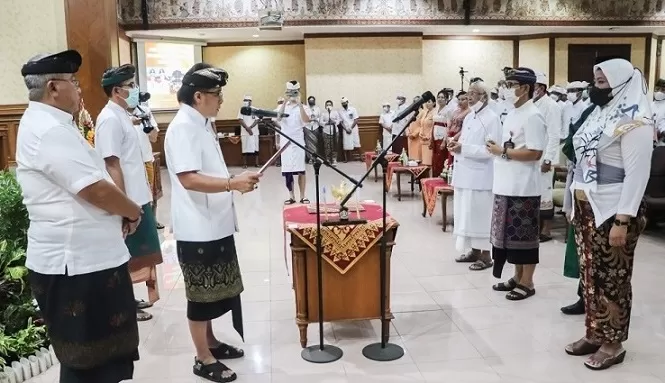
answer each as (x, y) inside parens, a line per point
(217, 94)
(511, 84)
(72, 81)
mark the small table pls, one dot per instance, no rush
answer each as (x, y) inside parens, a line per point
(416, 172)
(371, 156)
(351, 270)
(432, 188)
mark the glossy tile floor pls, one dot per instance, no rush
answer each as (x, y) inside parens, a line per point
(453, 327)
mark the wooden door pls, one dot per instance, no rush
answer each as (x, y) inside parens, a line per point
(582, 58)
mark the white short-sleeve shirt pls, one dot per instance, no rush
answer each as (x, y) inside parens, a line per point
(54, 163)
(115, 136)
(348, 115)
(190, 145)
(526, 127)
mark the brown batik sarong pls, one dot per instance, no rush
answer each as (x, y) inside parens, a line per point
(606, 272)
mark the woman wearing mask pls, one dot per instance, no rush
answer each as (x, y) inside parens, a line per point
(457, 119)
(426, 131)
(613, 147)
(329, 120)
(439, 132)
(414, 147)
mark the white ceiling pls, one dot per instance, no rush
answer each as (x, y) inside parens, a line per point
(296, 33)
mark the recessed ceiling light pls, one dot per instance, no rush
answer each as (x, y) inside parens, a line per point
(255, 35)
(476, 30)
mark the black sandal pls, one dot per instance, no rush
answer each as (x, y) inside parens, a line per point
(469, 257)
(289, 201)
(225, 351)
(520, 293)
(141, 304)
(215, 372)
(480, 265)
(304, 201)
(581, 348)
(505, 286)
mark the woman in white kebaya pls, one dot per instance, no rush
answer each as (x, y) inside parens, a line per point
(473, 172)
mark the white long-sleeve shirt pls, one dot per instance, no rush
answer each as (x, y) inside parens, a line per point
(632, 153)
(552, 114)
(571, 113)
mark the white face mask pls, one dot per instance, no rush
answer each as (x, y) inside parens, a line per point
(554, 97)
(476, 107)
(386, 109)
(246, 103)
(400, 101)
(573, 97)
(510, 96)
(659, 96)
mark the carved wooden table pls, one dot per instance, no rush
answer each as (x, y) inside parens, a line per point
(351, 271)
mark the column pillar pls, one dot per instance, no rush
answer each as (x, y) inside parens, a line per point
(92, 29)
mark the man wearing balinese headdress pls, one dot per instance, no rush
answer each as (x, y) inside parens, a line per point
(76, 255)
(249, 134)
(658, 107)
(293, 157)
(350, 136)
(118, 144)
(575, 106)
(552, 114)
(517, 186)
(204, 218)
(613, 149)
(557, 93)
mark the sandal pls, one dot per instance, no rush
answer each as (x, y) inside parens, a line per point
(215, 372)
(225, 351)
(604, 360)
(505, 286)
(520, 293)
(480, 265)
(304, 201)
(581, 348)
(159, 226)
(289, 201)
(467, 258)
(141, 304)
(142, 316)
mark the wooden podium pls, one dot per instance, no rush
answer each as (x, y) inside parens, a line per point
(350, 271)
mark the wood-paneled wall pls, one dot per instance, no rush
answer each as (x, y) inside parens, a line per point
(10, 115)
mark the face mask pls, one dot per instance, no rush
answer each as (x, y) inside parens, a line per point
(510, 96)
(599, 96)
(477, 106)
(329, 107)
(133, 99)
(400, 101)
(554, 97)
(311, 102)
(345, 106)
(572, 97)
(386, 109)
(585, 94)
(659, 96)
(246, 103)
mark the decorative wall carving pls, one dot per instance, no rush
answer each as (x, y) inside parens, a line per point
(236, 13)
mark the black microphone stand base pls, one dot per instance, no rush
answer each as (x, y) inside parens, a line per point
(321, 354)
(383, 352)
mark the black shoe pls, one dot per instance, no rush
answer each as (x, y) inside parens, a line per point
(576, 308)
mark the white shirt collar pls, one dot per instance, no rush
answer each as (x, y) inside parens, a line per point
(58, 114)
(194, 115)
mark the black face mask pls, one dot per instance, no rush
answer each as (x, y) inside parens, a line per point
(600, 97)
(311, 102)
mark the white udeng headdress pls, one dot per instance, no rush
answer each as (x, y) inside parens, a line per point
(293, 85)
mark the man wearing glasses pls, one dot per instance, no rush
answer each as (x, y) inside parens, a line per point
(118, 143)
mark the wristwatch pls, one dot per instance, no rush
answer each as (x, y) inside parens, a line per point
(547, 162)
(618, 222)
(504, 155)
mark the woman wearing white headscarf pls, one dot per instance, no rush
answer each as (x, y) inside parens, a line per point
(613, 147)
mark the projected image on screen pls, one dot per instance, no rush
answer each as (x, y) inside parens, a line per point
(165, 65)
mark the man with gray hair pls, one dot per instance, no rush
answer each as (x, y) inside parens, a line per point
(76, 256)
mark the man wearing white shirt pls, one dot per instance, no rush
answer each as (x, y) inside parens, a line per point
(503, 106)
(658, 109)
(249, 135)
(552, 114)
(386, 123)
(117, 142)
(76, 256)
(398, 146)
(574, 108)
(350, 135)
(517, 187)
(329, 121)
(473, 172)
(204, 218)
(148, 130)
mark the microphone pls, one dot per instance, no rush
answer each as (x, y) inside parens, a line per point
(251, 111)
(427, 96)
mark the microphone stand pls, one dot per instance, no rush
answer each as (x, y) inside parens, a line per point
(382, 351)
(321, 353)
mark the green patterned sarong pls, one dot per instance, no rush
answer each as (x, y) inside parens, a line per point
(143, 245)
(571, 263)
